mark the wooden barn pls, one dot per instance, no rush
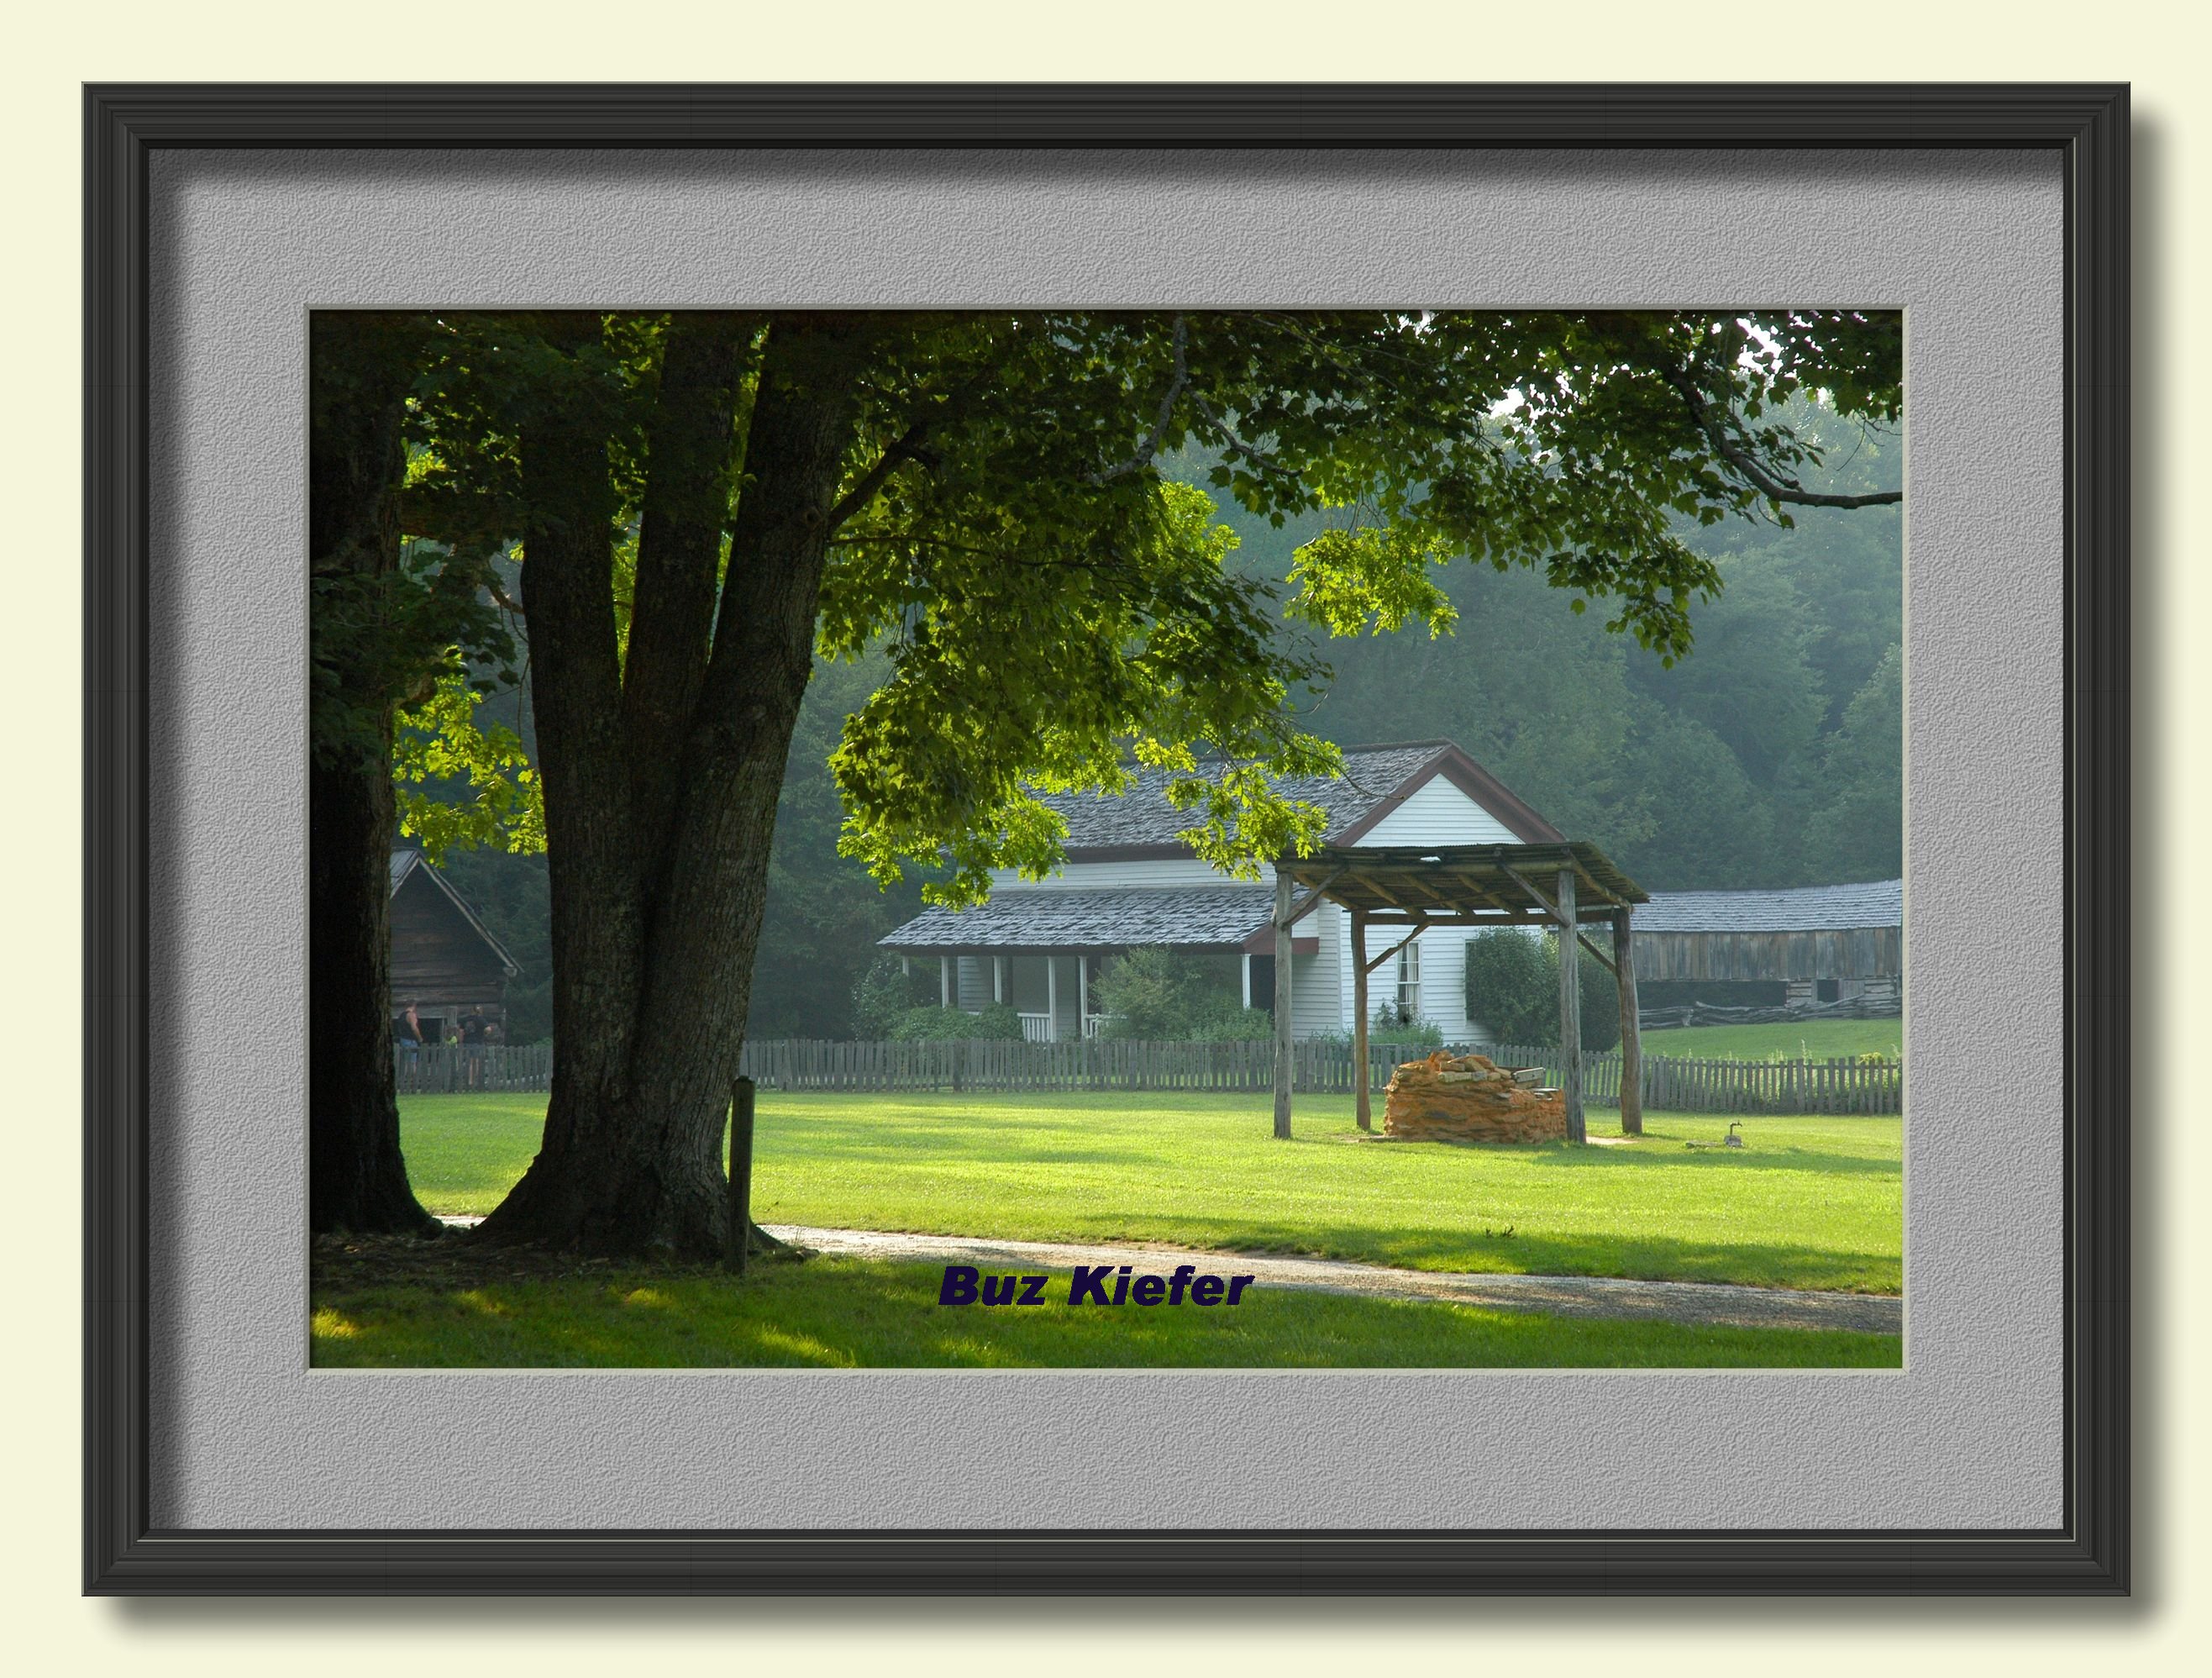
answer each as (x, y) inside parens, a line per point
(1809, 944)
(444, 961)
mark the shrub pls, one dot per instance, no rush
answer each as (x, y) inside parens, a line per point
(883, 994)
(1420, 1033)
(1387, 1027)
(1155, 996)
(936, 1024)
(1244, 1025)
(1513, 990)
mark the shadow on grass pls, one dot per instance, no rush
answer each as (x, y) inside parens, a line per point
(1657, 1152)
(848, 1314)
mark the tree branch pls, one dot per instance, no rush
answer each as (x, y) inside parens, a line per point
(1787, 490)
(1151, 445)
(1231, 444)
(908, 447)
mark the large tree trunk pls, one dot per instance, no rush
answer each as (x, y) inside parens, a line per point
(356, 1179)
(658, 870)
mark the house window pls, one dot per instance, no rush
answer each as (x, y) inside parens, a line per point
(1828, 990)
(1409, 982)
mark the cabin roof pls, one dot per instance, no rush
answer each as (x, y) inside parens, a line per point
(1375, 780)
(1183, 916)
(407, 863)
(1801, 908)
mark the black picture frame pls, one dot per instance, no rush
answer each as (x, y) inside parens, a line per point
(2086, 126)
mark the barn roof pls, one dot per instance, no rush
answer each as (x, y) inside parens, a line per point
(1376, 779)
(1803, 908)
(1185, 916)
(406, 863)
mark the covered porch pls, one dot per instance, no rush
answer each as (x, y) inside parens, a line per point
(1039, 951)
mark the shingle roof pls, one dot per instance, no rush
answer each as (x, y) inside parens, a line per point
(405, 863)
(1142, 816)
(1803, 908)
(1185, 916)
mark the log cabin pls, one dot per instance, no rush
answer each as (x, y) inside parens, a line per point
(444, 959)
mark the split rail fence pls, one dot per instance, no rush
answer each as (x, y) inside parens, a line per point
(1671, 1084)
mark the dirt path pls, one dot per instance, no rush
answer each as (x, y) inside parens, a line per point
(1709, 1304)
(1696, 1302)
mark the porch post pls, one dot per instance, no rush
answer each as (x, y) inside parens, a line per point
(998, 978)
(944, 982)
(1082, 997)
(1245, 962)
(1631, 1032)
(1571, 1009)
(1282, 1003)
(1051, 998)
(1363, 1107)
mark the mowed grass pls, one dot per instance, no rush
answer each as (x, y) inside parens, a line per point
(1791, 1040)
(847, 1314)
(1810, 1203)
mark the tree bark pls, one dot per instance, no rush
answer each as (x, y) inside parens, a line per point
(357, 1177)
(656, 917)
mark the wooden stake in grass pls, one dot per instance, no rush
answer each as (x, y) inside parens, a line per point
(741, 1175)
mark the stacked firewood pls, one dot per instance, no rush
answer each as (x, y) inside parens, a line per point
(1469, 1098)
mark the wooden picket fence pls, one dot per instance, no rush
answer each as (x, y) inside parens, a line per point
(982, 1064)
(1674, 1083)
(1671, 1084)
(454, 1068)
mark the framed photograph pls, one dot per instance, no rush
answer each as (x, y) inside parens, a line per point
(1079, 839)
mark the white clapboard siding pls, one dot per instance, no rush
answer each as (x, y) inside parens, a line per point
(1316, 1005)
(973, 981)
(1438, 813)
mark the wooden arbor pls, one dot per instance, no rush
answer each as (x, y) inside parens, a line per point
(1568, 886)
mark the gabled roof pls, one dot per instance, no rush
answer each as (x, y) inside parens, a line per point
(1376, 779)
(1804, 908)
(407, 863)
(1184, 917)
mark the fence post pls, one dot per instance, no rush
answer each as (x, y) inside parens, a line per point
(741, 1174)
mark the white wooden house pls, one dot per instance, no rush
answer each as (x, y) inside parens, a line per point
(1129, 881)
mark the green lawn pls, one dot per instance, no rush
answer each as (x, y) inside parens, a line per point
(1811, 1202)
(843, 1314)
(1811, 1039)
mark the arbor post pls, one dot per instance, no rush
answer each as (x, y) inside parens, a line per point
(1571, 1009)
(1631, 1031)
(741, 1175)
(1362, 1106)
(1282, 1003)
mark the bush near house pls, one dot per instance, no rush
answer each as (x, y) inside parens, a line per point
(1387, 1027)
(1155, 996)
(997, 1019)
(1513, 989)
(884, 994)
